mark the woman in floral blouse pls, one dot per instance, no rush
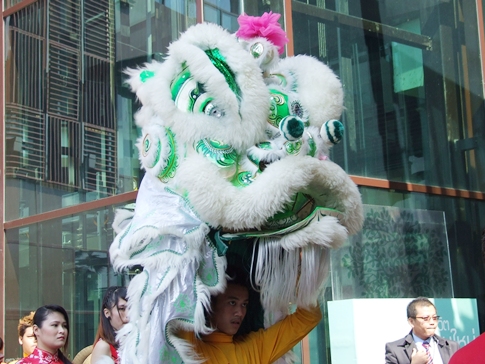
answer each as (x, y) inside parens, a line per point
(51, 329)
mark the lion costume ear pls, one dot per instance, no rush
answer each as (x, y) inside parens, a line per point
(140, 79)
(318, 87)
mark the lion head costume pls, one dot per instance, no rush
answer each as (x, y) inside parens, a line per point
(235, 145)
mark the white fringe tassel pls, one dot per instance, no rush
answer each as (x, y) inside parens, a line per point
(289, 276)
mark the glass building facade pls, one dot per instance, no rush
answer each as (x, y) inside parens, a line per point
(414, 115)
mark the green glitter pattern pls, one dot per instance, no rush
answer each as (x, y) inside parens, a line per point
(145, 75)
(220, 63)
(172, 160)
(293, 148)
(179, 81)
(221, 154)
(312, 145)
(243, 179)
(278, 108)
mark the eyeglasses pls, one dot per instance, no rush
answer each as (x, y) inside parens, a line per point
(428, 318)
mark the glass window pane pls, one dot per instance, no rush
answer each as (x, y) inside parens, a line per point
(10, 3)
(63, 261)
(229, 22)
(61, 127)
(413, 109)
(390, 257)
(69, 124)
(211, 14)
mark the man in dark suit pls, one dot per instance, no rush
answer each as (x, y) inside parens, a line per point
(421, 345)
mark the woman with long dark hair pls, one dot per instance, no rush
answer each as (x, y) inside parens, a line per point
(112, 318)
(51, 330)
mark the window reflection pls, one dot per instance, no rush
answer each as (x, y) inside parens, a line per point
(407, 117)
(224, 13)
(64, 261)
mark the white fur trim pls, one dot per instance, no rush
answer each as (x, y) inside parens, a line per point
(269, 156)
(123, 216)
(155, 159)
(277, 274)
(121, 250)
(245, 117)
(136, 83)
(145, 116)
(269, 56)
(185, 349)
(326, 232)
(322, 103)
(315, 266)
(343, 196)
(219, 203)
(296, 276)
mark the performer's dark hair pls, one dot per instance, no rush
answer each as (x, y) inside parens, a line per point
(418, 301)
(237, 275)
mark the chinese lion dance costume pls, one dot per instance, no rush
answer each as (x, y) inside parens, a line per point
(235, 144)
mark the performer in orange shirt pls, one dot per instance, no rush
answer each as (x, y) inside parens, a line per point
(228, 311)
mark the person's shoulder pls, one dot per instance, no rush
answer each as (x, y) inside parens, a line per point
(401, 341)
(101, 343)
(454, 345)
(187, 335)
(446, 340)
(25, 360)
(101, 348)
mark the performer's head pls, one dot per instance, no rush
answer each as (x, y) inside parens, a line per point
(422, 317)
(229, 308)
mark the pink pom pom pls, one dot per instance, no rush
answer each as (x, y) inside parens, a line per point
(265, 26)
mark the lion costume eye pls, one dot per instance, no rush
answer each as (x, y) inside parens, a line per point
(191, 96)
(212, 110)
